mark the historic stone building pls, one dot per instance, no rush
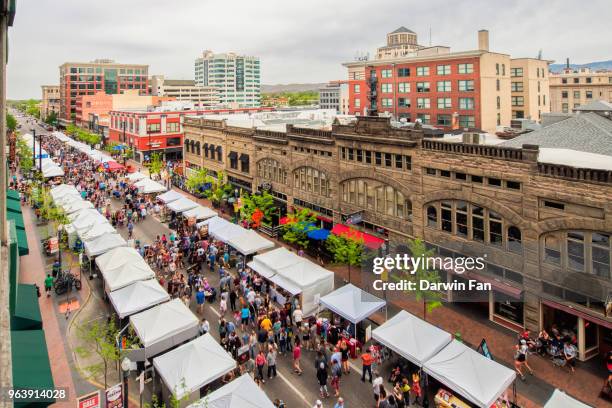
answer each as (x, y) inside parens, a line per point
(544, 229)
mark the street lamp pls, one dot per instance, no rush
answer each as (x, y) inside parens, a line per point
(126, 365)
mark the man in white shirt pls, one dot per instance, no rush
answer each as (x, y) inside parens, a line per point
(376, 384)
(297, 317)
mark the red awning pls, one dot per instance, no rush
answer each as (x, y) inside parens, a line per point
(370, 241)
(112, 166)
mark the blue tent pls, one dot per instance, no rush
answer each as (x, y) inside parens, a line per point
(118, 147)
(320, 234)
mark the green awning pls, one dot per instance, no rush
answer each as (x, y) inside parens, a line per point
(22, 242)
(13, 205)
(26, 315)
(31, 368)
(14, 194)
(18, 218)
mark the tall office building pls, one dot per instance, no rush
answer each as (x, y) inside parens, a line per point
(85, 78)
(236, 76)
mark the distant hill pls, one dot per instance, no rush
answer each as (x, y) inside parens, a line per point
(595, 66)
(267, 89)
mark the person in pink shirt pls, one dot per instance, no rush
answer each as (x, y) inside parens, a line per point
(297, 354)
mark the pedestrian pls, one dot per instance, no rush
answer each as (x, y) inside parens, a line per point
(271, 361)
(336, 374)
(48, 284)
(260, 361)
(318, 404)
(416, 388)
(200, 300)
(322, 379)
(569, 353)
(366, 366)
(377, 386)
(222, 305)
(245, 315)
(204, 327)
(297, 355)
(340, 403)
(520, 359)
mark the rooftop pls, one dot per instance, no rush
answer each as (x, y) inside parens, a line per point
(402, 29)
(278, 121)
(179, 82)
(599, 106)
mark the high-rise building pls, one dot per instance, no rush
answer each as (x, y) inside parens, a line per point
(85, 78)
(185, 90)
(50, 101)
(574, 87)
(466, 89)
(237, 77)
(529, 87)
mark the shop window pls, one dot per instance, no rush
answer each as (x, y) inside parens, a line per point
(514, 240)
(508, 307)
(495, 229)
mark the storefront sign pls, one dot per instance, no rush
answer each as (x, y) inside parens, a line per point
(114, 396)
(53, 245)
(89, 400)
(483, 349)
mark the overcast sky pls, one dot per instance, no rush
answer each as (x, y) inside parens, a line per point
(297, 41)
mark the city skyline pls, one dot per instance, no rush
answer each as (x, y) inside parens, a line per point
(291, 51)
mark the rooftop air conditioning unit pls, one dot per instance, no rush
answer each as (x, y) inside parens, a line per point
(471, 138)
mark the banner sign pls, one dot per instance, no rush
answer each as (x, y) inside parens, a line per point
(483, 349)
(114, 396)
(89, 400)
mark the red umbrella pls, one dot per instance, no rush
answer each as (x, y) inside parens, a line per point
(112, 166)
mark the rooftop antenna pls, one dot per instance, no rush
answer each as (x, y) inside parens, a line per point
(540, 54)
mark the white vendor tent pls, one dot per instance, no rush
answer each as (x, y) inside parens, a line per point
(191, 366)
(199, 213)
(52, 171)
(227, 232)
(136, 176)
(250, 242)
(85, 219)
(137, 297)
(148, 186)
(103, 243)
(165, 326)
(118, 274)
(266, 264)
(559, 399)
(470, 374)
(411, 337)
(61, 136)
(63, 189)
(352, 303)
(182, 204)
(169, 196)
(68, 198)
(77, 205)
(118, 257)
(243, 392)
(96, 230)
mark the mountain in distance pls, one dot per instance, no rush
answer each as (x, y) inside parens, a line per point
(268, 89)
(595, 66)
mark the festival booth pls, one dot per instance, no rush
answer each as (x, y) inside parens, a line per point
(200, 213)
(148, 186)
(188, 369)
(468, 373)
(103, 243)
(163, 327)
(52, 171)
(169, 196)
(294, 276)
(250, 242)
(243, 392)
(136, 176)
(96, 230)
(182, 204)
(85, 219)
(60, 136)
(138, 296)
(76, 205)
(68, 198)
(354, 305)
(63, 190)
(122, 266)
(559, 399)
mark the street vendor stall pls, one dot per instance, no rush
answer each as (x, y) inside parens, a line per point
(148, 186)
(122, 266)
(136, 176)
(559, 399)
(199, 213)
(169, 196)
(52, 171)
(470, 374)
(76, 205)
(243, 392)
(85, 219)
(63, 190)
(250, 242)
(162, 328)
(188, 368)
(137, 297)
(103, 243)
(182, 204)
(96, 230)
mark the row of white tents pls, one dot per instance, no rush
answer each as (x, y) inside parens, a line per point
(42, 161)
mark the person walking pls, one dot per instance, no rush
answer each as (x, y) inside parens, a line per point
(48, 284)
(336, 374)
(520, 360)
(340, 403)
(271, 361)
(376, 386)
(260, 361)
(297, 355)
(318, 404)
(322, 379)
(366, 366)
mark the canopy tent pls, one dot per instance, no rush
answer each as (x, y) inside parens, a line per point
(76, 205)
(352, 303)
(126, 274)
(165, 326)
(61, 136)
(112, 165)
(250, 242)
(99, 157)
(182, 204)
(411, 337)
(243, 392)
(265, 264)
(63, 189)
(148, 186)
(469, 373)
(96, 230)
(559, 399)
(199, 213)
(136, 176)
(169, 196)
(85, 219)
(103, 243)
(227, 232)
(191, 366)
(118, 257)
(137, 297)
(214, 223)
(52, 171)
(68, 198)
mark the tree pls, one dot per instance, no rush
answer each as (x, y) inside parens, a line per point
(198, 178)
(51, 119)
(155, 164)
(430, 298)
(11, 122)
(346, 250)
(295, 230)
(24, 152)
(255, 204)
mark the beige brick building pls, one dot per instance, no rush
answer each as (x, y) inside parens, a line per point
(572, 88)
(50, 101)
(529, 87)
(545, 227)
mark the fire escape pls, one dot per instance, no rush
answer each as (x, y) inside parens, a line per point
(373, 94)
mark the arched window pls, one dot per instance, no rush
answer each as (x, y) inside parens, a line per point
(432, 216)
(377, 197)
(311, 180)
(270, 169)
(187, 145)
(197, 146)
(515, 243)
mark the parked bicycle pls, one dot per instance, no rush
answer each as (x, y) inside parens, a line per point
(65, 283)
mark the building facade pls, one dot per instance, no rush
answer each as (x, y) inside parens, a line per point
(400, 43)
(86, 78)
(530, 88)
(468, 89)
(574, 87)
(50, 101)
(335, 95)
(462, 199)
(185, 90)
(237, 78)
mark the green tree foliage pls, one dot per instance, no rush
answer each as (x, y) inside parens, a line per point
(109, 148)
(198, 178)
(83, 135)
(11, 122)
(155, 164)
(24, 153)
(293, 98)
(51, 119)
(299, 222)
(345, 250)
(263, 202)
(430, 298)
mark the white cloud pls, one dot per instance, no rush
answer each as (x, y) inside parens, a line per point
(296, 41)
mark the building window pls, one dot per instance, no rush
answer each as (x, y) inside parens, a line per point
(498, 104)
(444, 120)
(575, 250)
(514, 240)
(386, 88)
(584, 251)
(564, 94)
(399, 161)
(403, 72)
(387, 102)
(465, 68)
(444, 69)
(368, 157)
(518, 100)
(467, 121)
(153, 127)
(357, 103)
(356, 88)
(403, 87)
(432, 217)
(516, 86)
(444, 86)
(425, 118)
(388, 159)
(403, 102)
(466, 85)
(516, 72)
(408, 162)
(444, 103)
(423, 103)
(600, 253)
(564, 107)
(312, 180)
(377, 197)
(588, 94)
(422, 87)
(172, 127)
(589, 80)
(386, 73)
(233, 158)
(422, 71)
(270, 169)
(378, 156)
(244, 163)
(466, 103)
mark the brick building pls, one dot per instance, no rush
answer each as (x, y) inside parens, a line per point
(50, 101)
(539, 215)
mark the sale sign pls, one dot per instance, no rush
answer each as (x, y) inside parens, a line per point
(89, 401)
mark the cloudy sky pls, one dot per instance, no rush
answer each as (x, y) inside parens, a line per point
(297, 41)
